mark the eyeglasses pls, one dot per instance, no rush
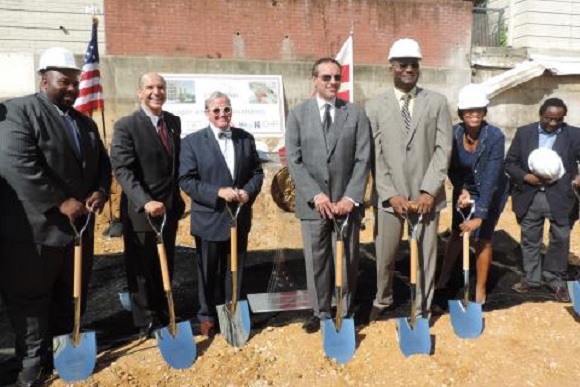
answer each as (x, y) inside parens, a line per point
(404, 65)
(328, 78)
(218, 110)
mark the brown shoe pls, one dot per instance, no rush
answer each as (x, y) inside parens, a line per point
(207, 328)
(561, 294)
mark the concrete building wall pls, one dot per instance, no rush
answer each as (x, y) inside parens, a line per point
(550, 24)
(27, 28)
(32, 26)
(289, 29)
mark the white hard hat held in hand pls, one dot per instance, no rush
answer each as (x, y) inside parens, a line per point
(546, 163)
(472, 96)
(57, 58)
(405, 48)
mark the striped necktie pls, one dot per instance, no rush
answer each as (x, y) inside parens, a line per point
(405, 111)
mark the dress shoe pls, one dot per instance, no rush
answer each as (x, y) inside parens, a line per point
(146, 332)
(561, 294)
(524, 286)
(207, 328)
(312, 325)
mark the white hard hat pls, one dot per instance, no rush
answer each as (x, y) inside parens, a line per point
(57, 58)
(472, 96)
(546, 163)
(405, 48)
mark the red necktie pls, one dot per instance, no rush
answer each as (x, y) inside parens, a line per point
(163, 134)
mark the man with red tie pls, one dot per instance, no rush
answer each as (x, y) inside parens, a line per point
(145, 159)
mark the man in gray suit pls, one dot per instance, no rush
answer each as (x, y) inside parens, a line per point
(413, 140)
(328, 147)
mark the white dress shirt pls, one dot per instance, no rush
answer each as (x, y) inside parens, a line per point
(227, 147)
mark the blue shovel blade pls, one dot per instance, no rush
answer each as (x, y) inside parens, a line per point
(414, 341)
(235, 327)
(75, 364)
(339, 345)
(179, 351)
(467, 322)
(574, 290)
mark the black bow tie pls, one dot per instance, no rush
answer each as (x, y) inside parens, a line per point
(225, 134)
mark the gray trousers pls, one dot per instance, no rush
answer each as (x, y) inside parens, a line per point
(555, 261)
(389, 233)
(319, 239)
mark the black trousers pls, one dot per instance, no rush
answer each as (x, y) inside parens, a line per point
(148, 301)
(36, 282)
(214, 276)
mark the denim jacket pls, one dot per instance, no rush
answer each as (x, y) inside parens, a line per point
(488, 170)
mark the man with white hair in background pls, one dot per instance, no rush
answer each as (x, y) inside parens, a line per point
(413, 140)
(541, 163)
(54, 170)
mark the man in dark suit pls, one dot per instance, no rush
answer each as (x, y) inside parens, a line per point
(536, 198)
(219, 167)
(413, 141)
(328, 147)
(145, 157)
(54, 169)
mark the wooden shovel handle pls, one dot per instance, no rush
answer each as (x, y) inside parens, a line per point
(466, 251)
(338, 265)
(164, 268)
(414, 260)
(234, 249)
(78, 269)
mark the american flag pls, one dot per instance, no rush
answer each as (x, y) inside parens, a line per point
(90, 89)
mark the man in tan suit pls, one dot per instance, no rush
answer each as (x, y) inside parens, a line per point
(413, 140)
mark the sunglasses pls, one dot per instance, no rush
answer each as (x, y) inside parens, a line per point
(404, 65)
(328, 78)
(225, 110)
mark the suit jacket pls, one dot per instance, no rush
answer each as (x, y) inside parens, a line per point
(408, 163)
(560, 195)
(203, 171)
(39, 169)
(336, 164)
(144, 169)
(488, 171)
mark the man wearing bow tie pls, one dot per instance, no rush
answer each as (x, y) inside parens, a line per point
(219, 168)
(145, 158)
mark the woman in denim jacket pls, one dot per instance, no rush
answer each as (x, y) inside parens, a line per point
(477, 173)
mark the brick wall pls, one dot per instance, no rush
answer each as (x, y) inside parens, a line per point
(288, 29)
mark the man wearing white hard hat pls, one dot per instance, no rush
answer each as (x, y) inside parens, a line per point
(54, 170)
(541, 164)
(413, 140)
(477, 174)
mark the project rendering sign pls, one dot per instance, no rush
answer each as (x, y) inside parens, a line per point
(257, 101)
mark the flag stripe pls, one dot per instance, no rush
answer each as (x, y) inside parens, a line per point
(90, 89)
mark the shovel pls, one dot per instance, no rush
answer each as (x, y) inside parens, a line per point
(466, 316)
(574, 286)
(234, 317)
(175, 341)
(75, 355)
(414, 337)
(339, 337)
